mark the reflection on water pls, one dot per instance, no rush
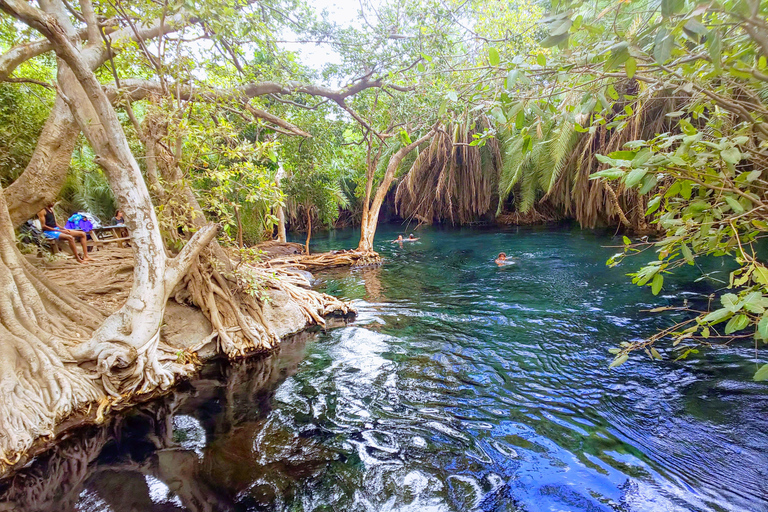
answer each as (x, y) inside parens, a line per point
(461, 386)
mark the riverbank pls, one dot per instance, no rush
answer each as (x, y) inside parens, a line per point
(105, 284)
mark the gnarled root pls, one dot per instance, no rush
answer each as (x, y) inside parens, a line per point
(37, 389)
(40, 383)
(233, 302)
(125, 370)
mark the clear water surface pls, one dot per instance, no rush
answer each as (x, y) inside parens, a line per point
(461, 386)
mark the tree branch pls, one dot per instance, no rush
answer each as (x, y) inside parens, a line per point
(92, 24)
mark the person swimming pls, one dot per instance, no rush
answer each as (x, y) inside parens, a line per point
(399, 240)
(412, 238)
(502, 260)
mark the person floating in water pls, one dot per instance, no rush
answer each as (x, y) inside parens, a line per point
(502, 260)
(53, 231)
(400, 239)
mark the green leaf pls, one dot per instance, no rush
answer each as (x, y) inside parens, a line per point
(541, 60)
(641, 157)
(715, 49)
(512, 78)
(716, 316)
(761, 374)
(626, 240)
(634, 176)
(736, 323)
(658, 281)
(655, 353)
(734, 204)
(619, 361)
(730, 301)
(520, 120)
(619, 155)
(662, 48)
(760, 275)
(687, 254)
(694, 28)
(442, 109)
(648, 182)
(619, 55)
(630, 66)
(753, 302)
(452, 96)
(762, 327)
(560, 27)
(420, 67)
(610, 174)
(731, 155)
(551, 41)
(493, 56)
(671, 7)
(653, 205)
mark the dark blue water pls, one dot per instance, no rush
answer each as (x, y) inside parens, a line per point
(461, 386)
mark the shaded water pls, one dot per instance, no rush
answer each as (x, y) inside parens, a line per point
(461, 386)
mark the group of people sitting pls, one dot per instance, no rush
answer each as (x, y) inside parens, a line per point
(76, 230)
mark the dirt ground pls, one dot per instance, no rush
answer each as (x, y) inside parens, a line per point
(103, 283)
(106, 282)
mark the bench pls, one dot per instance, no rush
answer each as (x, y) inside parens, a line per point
(110, 234)
(98, 242)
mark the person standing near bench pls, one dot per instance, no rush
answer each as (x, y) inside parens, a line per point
(53, 231)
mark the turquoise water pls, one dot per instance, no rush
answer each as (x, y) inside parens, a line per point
(461, 386)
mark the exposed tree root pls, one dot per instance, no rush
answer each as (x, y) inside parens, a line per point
(40, 382)
(349, 258)
(233, 301)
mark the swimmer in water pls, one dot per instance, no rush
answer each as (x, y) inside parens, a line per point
(412, 238)
(399, 240)
(501, 259)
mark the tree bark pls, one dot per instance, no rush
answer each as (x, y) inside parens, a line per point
(281, 235)
(40, 382)
(371, 213)
(309, 230)
(46, 172)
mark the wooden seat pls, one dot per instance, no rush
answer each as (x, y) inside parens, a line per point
(119, 241)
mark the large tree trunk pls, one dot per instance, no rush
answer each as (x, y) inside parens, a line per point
(371, 213)
(46, 172)
(40, 382)
(125, 346)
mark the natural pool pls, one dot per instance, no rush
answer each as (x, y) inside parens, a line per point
(461, 386)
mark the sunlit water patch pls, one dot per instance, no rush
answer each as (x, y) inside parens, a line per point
(461, 386)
